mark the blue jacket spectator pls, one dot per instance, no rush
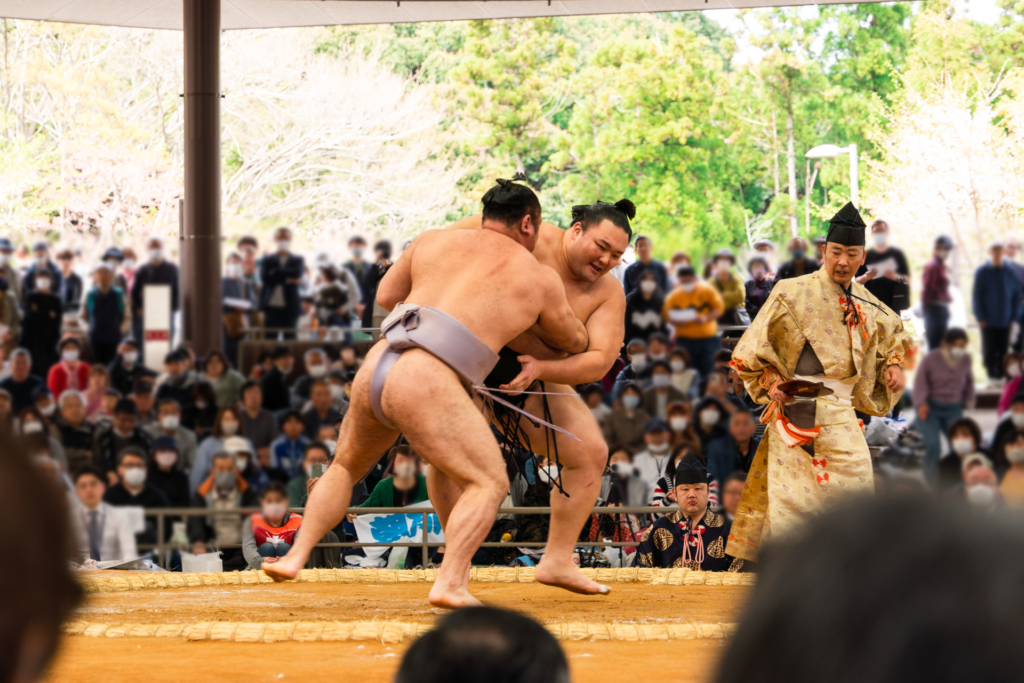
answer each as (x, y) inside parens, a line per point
(997, 305)
(42, 263)
(289, 450)
(735, 451)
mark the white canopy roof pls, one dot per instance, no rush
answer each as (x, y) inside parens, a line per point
(240, 14)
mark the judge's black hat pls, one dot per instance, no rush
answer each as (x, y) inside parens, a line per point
(691, 470)
(847, 227)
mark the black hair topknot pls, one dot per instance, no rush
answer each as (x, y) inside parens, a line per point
(509, 202)
(619, 213)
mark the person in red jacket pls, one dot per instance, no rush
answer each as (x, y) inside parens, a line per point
(70, 372)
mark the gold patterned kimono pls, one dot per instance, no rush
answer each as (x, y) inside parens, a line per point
(787, 485)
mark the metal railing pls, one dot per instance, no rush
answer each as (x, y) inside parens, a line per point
(161, 514)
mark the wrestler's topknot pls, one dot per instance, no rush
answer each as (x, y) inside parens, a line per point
(619, 213)
(508, 202)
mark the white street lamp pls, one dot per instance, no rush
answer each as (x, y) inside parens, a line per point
(832, 151)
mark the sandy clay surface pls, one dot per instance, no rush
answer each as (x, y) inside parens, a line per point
(83, 659)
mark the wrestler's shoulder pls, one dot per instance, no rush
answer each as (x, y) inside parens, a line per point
(610, 289)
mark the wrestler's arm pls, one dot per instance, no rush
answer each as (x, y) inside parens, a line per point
(557, 324)
(397, 282)
(606, 328)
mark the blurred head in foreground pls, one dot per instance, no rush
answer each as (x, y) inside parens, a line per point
(38, 588)
(888, 591)
(485, 644)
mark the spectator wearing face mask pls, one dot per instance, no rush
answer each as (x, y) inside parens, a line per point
(168, 424)
(620, 487)
(593, 396)
(22, 382)
(42, 401)
(627, 421)
(298, 487)
(123, 432)
(965, 440)
(226, 381)
(40, 332)
(981, 489)
(637, 371)
(337, 382)
(70, 372)
(43, 268)
(664, 495)
(269, 534)
(127, 368)
(800, 263)
(224, 489)
(315, 366)
(76, 433)
(226, 426)
(645, 262)
(115, 260)
(758, 287)
(403, 483)
(679, 417)
(239, 300)
(245, 461)
(662, 393)
(943, 385)
(1011, 450)
(144, 400)
(106, 315)
(735, 451)
(276, 392)
(650, 463)
(732, 491)
(281, 274)
(336, 297)
(712, 419)
(694, 308)
(935, 296)
(199, 414)
(885, 271)
(105, 533)
(32, 423)
(165, 473)
(996, 306)
(72, 292)
(1012, 371)
(643, 308)
(156, 271)
(358, 266)
(765, 251)
(7, 270)
(684, 377)
(132, 490)
(729, 287)
(1012, 421)
(320, 411)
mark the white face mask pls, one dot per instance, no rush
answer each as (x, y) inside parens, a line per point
(274, 511)
(678, 424)
(337, 392)
(166, 458)
(956, 353)
(1015, 454)
(648, 286)
(405, 470)
(880, 239)
(630, 402)
(317, 370)
(135, 477)
(71, 355)
(687, 286)
(229, 428)
(170, 422)
(43, 284)
(981, 495)
(757, 273)
(233, 270)
(963, 446)
(130, 357)
(129, 263)
(4, 260)
(1018, 420)
(241, 463)
(639, 361)
(33, 427)
(49, 410)
(156, 255)
(357, 253)
(658, 448)
(677, 366)
(112, 265)
(41, 261)
(709, 418)
(284, 246)
(548, 473)
(661, 381)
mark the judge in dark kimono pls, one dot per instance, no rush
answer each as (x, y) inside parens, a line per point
(693, 537)
(40, 330)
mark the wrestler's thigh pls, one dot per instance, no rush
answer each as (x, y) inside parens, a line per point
(362, 439)
(571, 414)
(424, 398)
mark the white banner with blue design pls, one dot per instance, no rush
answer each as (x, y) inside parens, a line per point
(395, 528)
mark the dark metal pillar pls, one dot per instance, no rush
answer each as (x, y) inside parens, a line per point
(200, 238)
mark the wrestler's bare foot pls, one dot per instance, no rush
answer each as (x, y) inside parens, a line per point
(283, 569)
(452, 598)
(569, 577)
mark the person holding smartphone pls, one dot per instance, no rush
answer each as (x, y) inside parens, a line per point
(314, 462)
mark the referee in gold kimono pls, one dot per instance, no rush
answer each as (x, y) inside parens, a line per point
(818, 328)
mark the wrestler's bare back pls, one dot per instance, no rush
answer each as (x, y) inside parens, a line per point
(487, 281)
